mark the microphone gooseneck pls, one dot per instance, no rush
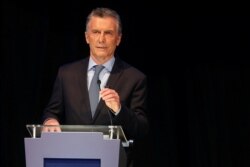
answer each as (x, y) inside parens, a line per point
(109, 110)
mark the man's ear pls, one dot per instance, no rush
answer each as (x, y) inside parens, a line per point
(86, 37)
(119, 40)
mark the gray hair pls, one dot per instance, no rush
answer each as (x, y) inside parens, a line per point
(105, 12)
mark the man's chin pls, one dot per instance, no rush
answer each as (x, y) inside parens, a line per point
(102, 54)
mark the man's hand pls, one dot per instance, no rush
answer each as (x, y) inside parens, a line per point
(111, 99)
(51, 125)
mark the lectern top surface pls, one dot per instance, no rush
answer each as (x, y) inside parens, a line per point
(109, 132)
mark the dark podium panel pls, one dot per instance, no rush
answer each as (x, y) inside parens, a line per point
(76, 146)
(61, 162)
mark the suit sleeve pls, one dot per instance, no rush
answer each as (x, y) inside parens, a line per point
(132, 116)
(54, 108)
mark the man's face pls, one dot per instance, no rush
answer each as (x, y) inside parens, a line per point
(103, 37)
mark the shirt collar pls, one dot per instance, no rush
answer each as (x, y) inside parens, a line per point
(108, 65)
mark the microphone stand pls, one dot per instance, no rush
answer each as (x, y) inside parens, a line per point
(109, 110)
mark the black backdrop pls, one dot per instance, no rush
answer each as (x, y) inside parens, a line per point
(197, 66)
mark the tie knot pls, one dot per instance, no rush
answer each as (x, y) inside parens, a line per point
(98, 69)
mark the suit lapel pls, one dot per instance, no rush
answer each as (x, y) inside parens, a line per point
(115, 74)
(84, 88)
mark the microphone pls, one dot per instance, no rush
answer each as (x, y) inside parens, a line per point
(109, 110)
(99, 83)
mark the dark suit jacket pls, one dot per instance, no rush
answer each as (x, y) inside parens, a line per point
(70, 105)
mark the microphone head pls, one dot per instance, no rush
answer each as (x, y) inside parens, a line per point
(99, 83)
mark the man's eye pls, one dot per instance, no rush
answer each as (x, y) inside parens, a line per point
(109, 33)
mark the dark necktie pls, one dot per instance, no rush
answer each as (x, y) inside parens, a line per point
(94, 89)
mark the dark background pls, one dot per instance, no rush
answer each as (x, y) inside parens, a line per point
(196, 60)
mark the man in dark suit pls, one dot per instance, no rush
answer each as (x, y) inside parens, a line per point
(123, 91)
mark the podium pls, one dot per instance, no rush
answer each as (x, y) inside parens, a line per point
(76, 146)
